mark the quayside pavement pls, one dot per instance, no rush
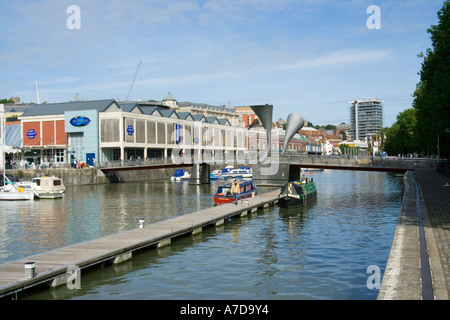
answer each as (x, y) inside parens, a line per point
(418, 265)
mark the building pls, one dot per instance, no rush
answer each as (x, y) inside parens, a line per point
(100, 131)
(366, 118)
(203, 109)
(247, 115)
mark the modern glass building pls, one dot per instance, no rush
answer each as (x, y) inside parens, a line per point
(106, 130)
(366, 118)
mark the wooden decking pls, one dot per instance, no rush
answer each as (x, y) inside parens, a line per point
(51, 267)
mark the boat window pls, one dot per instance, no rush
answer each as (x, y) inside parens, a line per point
(56, 182)
(224, 191)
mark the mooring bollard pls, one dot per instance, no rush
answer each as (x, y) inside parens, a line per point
(141, 224)
(29, 270)
(246, 203)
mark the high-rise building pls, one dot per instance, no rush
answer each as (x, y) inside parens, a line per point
(366, 118)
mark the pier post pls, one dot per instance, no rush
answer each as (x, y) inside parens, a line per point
(200, 173)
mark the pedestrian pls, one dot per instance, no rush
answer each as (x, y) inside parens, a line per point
(235, 189)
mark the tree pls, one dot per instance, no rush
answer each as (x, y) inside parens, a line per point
(401, 136)
(6, 101)
(432, 94)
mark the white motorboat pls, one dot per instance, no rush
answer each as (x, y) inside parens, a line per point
(12, 192)
(46, 187)
(242, 172)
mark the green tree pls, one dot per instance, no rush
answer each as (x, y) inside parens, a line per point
(4, 101)
(401, 136)
(432, 94)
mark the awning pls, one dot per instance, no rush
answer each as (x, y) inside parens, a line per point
(8, 149)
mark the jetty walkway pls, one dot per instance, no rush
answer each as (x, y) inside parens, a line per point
(60, 266)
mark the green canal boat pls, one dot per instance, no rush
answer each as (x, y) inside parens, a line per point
(297, 193)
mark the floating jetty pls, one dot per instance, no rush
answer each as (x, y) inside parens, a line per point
(60, 266)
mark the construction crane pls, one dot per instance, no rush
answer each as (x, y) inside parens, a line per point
(132, 83)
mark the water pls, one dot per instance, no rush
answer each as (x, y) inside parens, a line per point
(321, 252)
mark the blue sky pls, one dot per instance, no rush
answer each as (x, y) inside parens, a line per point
(303, 56)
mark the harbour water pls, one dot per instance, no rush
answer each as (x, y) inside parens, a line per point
(321, 252)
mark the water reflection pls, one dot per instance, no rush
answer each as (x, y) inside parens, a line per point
(318, 252)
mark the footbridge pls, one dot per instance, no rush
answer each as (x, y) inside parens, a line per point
(288, 167)
(275, 167)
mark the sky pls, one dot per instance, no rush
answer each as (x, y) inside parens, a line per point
(310, 57)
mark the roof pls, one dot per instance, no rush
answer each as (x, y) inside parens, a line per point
(169, 97)
(185, 115)
(168, 113)
(60, 108)
(148, 108)
(198, 117)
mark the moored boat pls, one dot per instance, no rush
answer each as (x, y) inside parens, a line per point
(242, 172)
(180, 174)
(223, 195)
(11, 191)
(297, 193)
(47, 187)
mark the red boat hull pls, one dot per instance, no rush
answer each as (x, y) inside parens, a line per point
(229, 199)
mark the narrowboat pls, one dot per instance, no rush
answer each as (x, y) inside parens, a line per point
(223, 195)
(297, 193)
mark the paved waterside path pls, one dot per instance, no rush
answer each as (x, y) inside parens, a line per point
(59, 266)
(418, 264)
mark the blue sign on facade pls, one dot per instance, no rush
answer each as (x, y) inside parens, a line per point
(31, 134)
(80, 121)
(177, 132)
(130, 130)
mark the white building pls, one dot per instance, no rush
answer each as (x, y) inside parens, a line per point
(366, 118)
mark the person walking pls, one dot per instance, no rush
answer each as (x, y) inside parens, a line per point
(235, 189)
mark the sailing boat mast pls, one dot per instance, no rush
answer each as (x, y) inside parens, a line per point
(37, 93)
(2, 133)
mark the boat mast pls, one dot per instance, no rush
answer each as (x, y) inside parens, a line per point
(2, 133)
(37, 93)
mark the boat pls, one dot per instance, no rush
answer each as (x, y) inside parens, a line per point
(297, 193)
(10, 191)
(47, 187)
(223, 195)
(212, 176)
(180, 174)
(242, 172)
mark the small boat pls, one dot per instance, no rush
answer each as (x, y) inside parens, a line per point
(297, 193)
(242, 172)
(212, 176)
(12, 192)
(180, 174)
(47, 187)
(223, 195)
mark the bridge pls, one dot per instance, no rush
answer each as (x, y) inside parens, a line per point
(276, 167)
